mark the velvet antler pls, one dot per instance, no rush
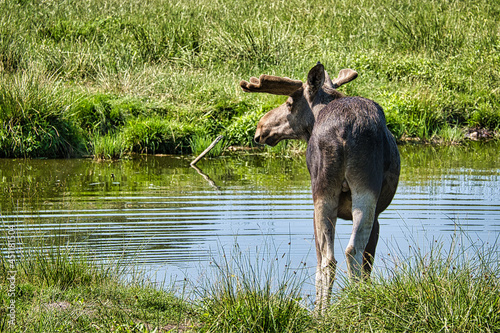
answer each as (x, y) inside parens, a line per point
(275, 85)
(345, 75)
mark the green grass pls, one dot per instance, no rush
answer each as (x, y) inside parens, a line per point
(253, 295)
(108, 146)
(73, 69)
(199, 143)
(62, 288)
(66, 288)
(35, 119)
(454, 289)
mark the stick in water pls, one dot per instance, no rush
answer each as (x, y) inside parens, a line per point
(206, 150)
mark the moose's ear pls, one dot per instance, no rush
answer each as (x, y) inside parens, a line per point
(315, 78)
(328, 81)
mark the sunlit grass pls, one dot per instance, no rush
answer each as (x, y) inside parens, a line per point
(35, 117)
(453, 288)
(257, 292)
(60, 286)
(199, 143)
(109, 146)
(430, 64)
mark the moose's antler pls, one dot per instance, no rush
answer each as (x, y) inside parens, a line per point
(275, 85)
(345, 75)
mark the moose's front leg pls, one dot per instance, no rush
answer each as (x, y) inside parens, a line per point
(325, 217)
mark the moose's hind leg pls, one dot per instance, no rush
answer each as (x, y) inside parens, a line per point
(369, 254)
(363, 217)
(325, 218)
(325, 164)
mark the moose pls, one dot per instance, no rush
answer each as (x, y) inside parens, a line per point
(352, 158)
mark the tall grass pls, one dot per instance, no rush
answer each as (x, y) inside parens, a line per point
(199, 143)
(63, 287)
(109, 146)
(34, 116)
(54, 262)
(431, 64)
(253, 295)
(452, 289)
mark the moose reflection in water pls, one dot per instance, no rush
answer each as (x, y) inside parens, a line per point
(352, 158)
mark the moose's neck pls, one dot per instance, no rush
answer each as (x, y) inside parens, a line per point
(322, 99)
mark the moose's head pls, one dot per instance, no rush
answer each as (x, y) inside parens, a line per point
(295, 118)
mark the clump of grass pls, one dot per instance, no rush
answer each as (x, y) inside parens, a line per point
(453, 289)
(52, 262)
(157, 135)
(253, 296)
(287, 148)
(450, 134)
(109, 146)
(34, 116)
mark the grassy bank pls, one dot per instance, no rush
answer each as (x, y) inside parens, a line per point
(109, 77)
(59, 289)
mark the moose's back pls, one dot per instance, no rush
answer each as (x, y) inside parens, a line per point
(351, 148)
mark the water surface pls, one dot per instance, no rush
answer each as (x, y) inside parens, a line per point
(175, 219)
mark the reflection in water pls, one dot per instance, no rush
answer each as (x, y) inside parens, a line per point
(207, 178)
(174, 218)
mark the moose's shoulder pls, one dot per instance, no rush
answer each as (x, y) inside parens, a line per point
(354, 103)
(352, 109)
(350, 115)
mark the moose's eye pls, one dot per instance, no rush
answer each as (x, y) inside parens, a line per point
(289, 105)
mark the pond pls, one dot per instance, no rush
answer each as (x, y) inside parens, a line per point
(161, 214)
